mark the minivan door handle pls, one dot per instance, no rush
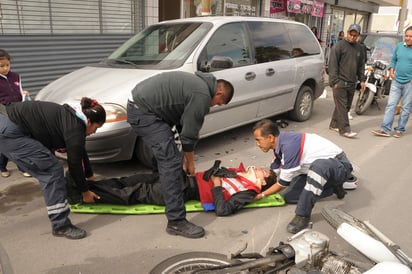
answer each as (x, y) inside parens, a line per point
(270, 72)
(250, 76)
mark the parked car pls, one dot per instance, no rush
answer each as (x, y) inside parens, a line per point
(275, 66)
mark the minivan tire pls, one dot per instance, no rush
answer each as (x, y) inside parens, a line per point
(303, 105)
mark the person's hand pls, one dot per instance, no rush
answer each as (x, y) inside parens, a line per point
(189, 168)
(363, 86)
(90, 197)
(392, 74)
(91, 178)
(189, 163)
(216, 180)
(26, 93)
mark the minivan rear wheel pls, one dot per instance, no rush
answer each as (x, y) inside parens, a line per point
(303, 105)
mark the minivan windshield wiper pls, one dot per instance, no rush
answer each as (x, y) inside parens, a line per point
(116, 60)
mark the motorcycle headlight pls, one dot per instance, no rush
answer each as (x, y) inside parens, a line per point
(378, 74)
(114, 112)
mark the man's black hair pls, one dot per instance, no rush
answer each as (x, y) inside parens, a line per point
(267, 127)
(270, 180)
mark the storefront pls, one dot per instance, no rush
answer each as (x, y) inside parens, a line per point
(330, 17)
(192, 8)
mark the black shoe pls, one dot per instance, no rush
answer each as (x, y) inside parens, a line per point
(339, 191)
(74, 196)
(184, 228)
(70, 232)
(298, 223)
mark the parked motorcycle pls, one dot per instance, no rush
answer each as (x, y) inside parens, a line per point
(377, 86)
(305, 252)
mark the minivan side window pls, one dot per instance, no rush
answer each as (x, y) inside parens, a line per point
(231, 41)
(270, 41)
(303, 41)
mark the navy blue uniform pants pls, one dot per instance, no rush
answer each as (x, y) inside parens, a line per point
(323, 175)
(158, 135)
(34, 158)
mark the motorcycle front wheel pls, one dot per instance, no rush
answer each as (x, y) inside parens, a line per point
(363, 101)
(335, 217)
(191, 262)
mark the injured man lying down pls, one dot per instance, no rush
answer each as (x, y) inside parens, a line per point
(224, 190)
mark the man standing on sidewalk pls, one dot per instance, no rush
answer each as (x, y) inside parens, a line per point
(401, 87)
(345, 68)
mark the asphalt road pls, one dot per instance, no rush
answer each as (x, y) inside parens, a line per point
(135, 243)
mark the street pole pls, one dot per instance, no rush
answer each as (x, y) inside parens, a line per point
(402, 15)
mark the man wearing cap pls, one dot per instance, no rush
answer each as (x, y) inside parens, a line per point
(345, 68)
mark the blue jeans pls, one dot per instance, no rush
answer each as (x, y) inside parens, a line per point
(398, 91)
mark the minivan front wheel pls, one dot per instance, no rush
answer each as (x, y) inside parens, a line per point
(303, 105)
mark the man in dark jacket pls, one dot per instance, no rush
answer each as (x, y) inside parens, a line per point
(346, 66)
(225, 192)
(178, 99)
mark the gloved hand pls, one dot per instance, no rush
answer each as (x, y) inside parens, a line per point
(211, 171)
(224, 172)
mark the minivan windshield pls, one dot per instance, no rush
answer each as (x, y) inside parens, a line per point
(162, 46)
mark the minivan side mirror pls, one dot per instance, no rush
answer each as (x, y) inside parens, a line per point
(217, 63)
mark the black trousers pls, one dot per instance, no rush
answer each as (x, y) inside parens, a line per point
(342, 96)
(139, 189)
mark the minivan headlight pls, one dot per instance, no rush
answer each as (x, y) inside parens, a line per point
(114, 113)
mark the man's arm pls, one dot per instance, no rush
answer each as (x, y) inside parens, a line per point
(275, 188)
(333, 66)
(232, 205)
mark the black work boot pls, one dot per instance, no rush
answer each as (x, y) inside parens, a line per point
(298, 223)
(339, 191)
(185, 228)
(70, 232)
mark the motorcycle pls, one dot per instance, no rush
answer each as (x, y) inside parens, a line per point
(377, 86)
(305, 252)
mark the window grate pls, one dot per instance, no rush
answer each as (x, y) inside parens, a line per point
(69, 17)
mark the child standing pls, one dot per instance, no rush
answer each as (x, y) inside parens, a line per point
(10, 91)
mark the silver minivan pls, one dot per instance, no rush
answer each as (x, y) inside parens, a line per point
(275, 66)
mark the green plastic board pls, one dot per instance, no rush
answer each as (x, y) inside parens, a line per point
(191, 206)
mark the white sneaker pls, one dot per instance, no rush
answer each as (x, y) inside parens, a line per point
(350, 116)
(351, 183)
(25, 174)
